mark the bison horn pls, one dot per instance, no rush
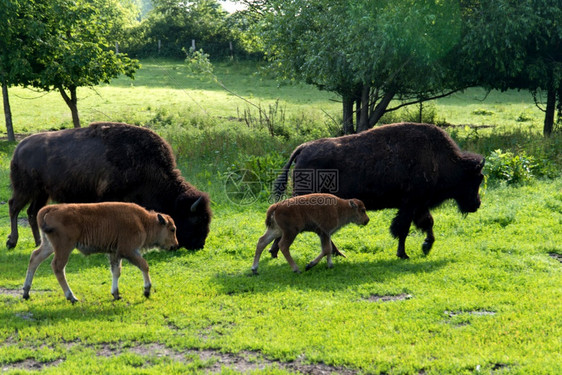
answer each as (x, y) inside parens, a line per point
(161, 219)
(195, 204)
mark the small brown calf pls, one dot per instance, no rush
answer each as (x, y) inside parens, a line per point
(119, 229)
(323, 214)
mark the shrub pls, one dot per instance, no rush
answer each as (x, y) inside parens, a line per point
(514, 169)
(505, 166)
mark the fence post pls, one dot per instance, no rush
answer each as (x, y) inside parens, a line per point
(116, 48)
(193, 44)
(159, 45)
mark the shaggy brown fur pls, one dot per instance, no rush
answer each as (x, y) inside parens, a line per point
(322, 214)
(412, 167)
(100, 163)
(119, 229)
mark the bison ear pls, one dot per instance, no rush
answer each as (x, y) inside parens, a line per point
(352, 203)
(161, 219)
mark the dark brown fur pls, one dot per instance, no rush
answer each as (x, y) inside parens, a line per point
(105, 162)
(119, 229)
(412, 167)
(322, 214)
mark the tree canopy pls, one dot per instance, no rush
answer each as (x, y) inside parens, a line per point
(63, 45)
(512, 44)
(367, 52)
(373, 52)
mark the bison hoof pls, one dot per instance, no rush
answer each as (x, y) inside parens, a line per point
(116, 297)
(273, 254)
(147, 294)
(10, 244)
(403, 256)
(309, 266)
(73, 300)
(25, 296)
(426, 247)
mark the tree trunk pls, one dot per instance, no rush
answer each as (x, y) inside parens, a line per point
(559, 105)
(72, 103)
(363, 124)
(348, 115)
(357, 111)
(549, 115)
(380, 108)
(8, 113)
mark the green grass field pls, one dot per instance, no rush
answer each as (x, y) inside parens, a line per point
(487, 300)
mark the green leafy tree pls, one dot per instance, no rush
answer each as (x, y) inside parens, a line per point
(368, 52)
(18, 35)
(77, 49)
(173, 24)
(510, 44)
(62, 45)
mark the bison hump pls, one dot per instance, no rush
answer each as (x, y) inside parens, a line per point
(129, 145)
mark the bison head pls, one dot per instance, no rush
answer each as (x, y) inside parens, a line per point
(192, 215)
(467, 194)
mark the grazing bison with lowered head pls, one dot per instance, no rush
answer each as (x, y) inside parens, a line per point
(105, 162)
(412, 167)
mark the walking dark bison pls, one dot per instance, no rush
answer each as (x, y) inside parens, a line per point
(105, 162)
(412, 167)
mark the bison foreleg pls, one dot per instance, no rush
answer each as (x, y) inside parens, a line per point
(424, 221)
(59, 264)
(284, 244)
(115, 262)
(400, 227)
(326, 251)
(136, 259)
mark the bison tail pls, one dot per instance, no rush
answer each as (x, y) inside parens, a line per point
(42, 221)
(269, 217)
(280, 185)
(47, 229)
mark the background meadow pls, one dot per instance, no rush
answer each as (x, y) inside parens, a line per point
(486, 300)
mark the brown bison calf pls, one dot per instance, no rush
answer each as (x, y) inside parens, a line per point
(322, 214)
(119, 229)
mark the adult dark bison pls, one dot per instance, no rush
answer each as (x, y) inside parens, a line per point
(105, 162)
(412, 167)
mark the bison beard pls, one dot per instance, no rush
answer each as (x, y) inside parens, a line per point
(412, 167)
(105, 162)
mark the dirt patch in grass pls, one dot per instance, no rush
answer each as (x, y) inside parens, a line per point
(17, 293)
(30, 364)
(558, 257)
(396, 297)
(243, 362)
(11, 292)
(475, 312)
